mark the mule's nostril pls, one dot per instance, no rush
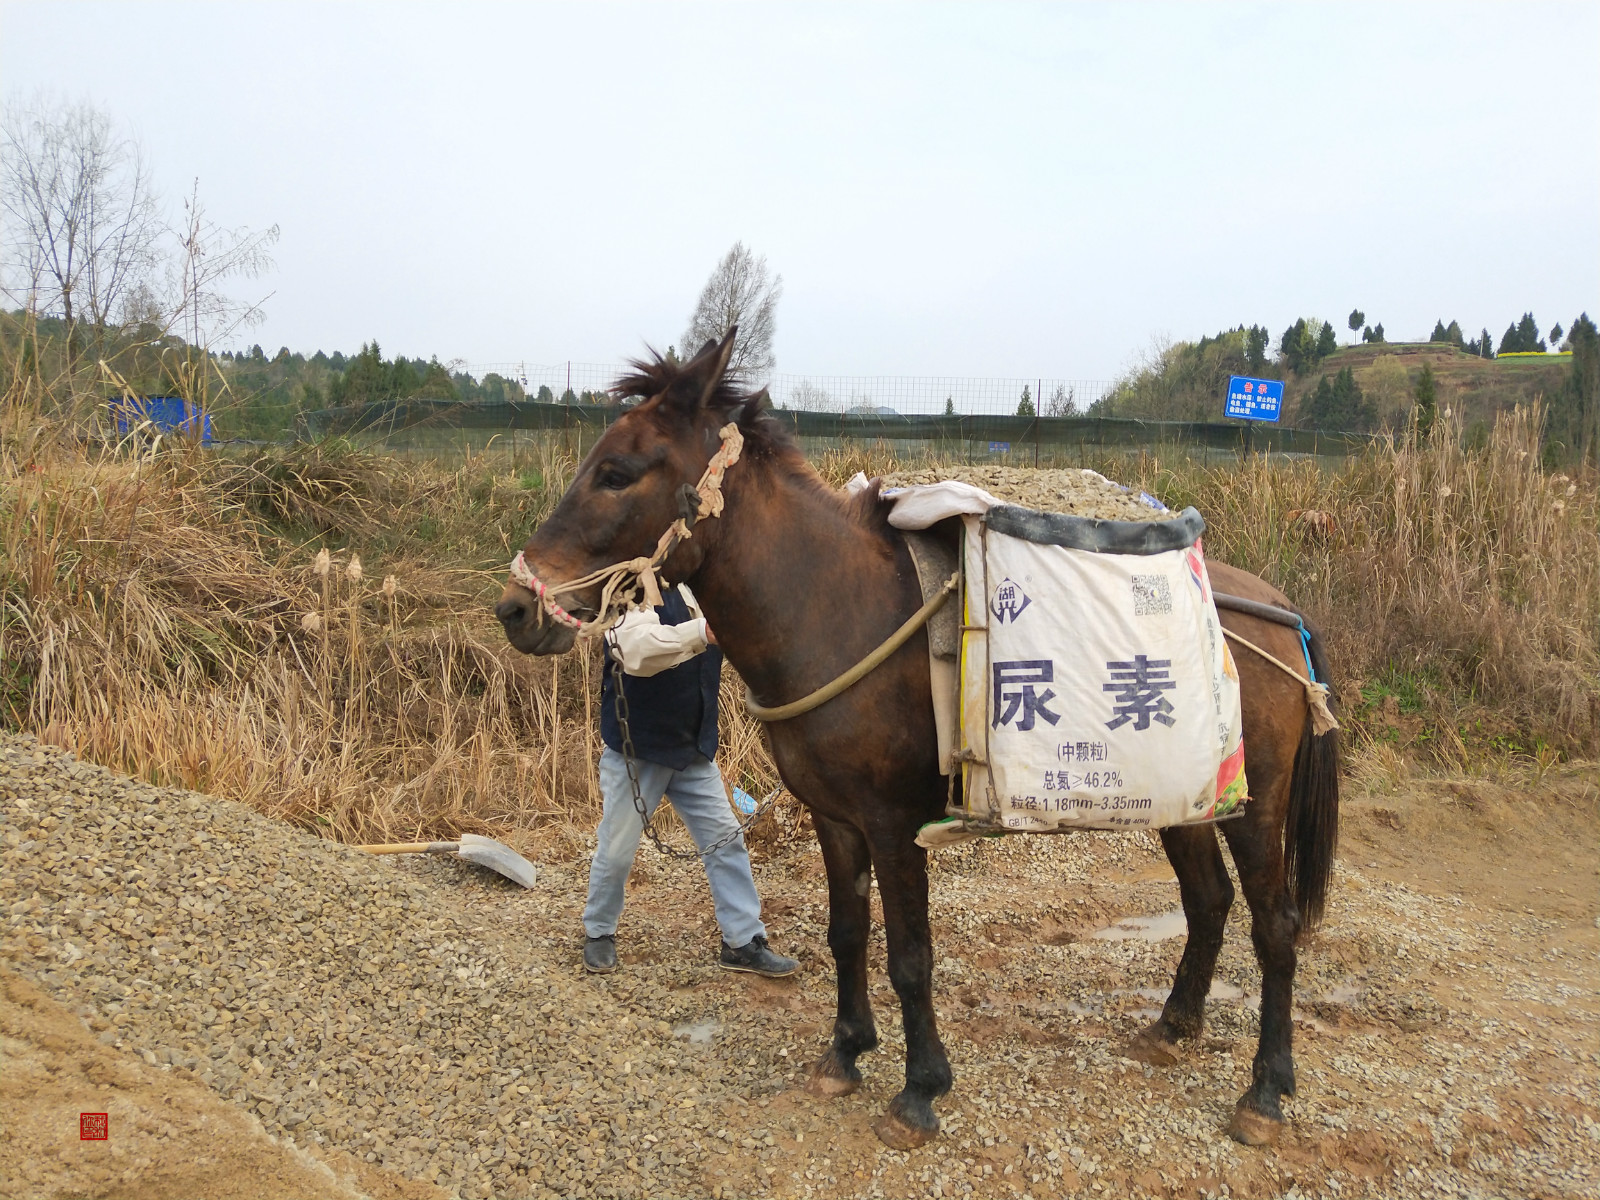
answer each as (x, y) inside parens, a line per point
(511, 612)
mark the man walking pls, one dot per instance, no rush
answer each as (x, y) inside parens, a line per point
(671, 667)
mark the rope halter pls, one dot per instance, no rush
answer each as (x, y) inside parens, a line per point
(621, 584)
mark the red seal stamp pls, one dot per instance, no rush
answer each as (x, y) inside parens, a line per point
(93, 1127)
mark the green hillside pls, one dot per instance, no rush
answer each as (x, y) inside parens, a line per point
(1476, 387)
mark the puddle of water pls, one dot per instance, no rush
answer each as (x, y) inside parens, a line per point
(1145, 929)
(1225, 991)
(699, 1033)
(1159, 995)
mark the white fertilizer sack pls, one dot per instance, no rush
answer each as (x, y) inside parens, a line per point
(1096, 688)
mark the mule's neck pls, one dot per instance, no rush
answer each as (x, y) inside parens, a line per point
(794, 584)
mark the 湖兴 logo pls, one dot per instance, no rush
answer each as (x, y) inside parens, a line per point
(1008, 603)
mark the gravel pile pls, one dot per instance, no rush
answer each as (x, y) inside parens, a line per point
(341, 999)
(1084, 493)
(434, 1019)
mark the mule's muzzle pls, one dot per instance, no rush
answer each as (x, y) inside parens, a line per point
(526, 626)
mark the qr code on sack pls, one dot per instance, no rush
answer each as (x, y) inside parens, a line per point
(1152, 595)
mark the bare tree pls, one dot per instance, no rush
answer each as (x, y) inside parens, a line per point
(208, 254)
(808, 397)
(1063, 402)
(740, 292)
(82, 222)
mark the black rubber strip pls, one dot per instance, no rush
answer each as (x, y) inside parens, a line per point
(1090, 533)
(1254, 608)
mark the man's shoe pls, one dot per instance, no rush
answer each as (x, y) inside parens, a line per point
(600, 954)
(758, 959)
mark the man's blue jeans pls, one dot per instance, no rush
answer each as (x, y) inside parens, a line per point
(698, 795)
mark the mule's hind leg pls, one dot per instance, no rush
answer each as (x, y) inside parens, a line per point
(1207, 894)
(849, 866)
(1257, 848)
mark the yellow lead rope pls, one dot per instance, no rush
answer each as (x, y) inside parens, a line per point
(829, 690)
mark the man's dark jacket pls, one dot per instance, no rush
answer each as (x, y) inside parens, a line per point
(673, 715)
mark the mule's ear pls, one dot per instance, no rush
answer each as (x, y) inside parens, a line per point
(759, 403)
(702, 375)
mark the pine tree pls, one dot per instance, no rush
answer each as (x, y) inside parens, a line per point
(1327, 342)
(1025, 405)
(1556, 333)
(1438, 334)
(1427, 401)
(1255, 347)
(1338, 404)
(949, 406)
(1528, 334)
(1453, 335)
(1486, 345)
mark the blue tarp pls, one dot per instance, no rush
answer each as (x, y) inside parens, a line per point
(169, 414)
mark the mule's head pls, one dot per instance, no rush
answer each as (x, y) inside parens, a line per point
(628, 491)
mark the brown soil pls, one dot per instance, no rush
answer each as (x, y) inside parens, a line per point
(1434, 1055)
(167, 1134)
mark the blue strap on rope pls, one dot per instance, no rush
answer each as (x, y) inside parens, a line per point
(1305, 648)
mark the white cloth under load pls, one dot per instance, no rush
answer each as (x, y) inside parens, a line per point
(1096, 690)
(648, 647)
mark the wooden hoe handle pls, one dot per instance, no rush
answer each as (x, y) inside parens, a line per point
(413, 848)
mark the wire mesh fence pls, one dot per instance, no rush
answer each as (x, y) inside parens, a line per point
(439, 426)
(883, 395)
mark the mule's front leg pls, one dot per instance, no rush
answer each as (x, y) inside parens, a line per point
(1274, 924)
(849, 866)
(903, 884)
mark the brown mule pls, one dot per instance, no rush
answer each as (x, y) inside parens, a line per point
(800, 583)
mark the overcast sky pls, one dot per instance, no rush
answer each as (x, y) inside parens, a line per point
(988, 189)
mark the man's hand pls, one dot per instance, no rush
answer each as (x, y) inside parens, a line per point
(711, 638)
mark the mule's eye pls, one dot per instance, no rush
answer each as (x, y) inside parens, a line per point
(613, 478)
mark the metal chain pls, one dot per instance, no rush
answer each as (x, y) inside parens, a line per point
(639, 806)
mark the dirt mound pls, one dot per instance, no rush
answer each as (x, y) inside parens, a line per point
(343, 1000)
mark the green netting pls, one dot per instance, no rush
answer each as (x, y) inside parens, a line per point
(424, 421)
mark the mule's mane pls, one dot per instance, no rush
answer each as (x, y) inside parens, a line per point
(654, 375)
(766, 437)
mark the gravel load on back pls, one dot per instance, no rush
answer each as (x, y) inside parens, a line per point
(1083, 493)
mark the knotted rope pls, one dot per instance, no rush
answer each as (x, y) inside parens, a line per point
(1322, 718)
(621, 583)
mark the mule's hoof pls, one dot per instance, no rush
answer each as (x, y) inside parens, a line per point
(1252, 1128)
(1152, 1048)
(897, 1135)
(829, 1086)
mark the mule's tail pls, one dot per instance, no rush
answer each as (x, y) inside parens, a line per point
(1311, 830)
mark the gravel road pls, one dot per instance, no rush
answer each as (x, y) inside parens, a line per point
(433, 1020)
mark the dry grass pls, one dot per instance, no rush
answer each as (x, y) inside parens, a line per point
(166, 614)
(1458, 588)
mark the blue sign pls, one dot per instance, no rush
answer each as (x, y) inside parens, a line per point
(169, 414)
(999, 447)
(1254, 399)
